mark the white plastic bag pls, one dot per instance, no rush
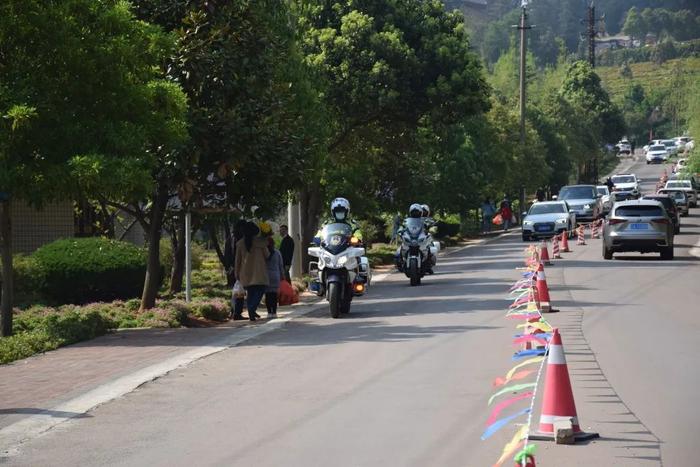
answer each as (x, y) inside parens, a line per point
(238, 290)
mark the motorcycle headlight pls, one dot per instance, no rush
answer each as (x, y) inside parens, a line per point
(407, 237)
(421, 238)
(342, 260)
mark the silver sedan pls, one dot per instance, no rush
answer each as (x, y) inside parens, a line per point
(548, 218)
(638, 225)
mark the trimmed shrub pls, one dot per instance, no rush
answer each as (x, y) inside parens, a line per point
(215, 310)
(81, 270)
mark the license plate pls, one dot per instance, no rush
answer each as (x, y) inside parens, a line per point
(543, 228)
(639, 226)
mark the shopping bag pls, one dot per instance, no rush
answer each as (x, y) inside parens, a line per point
(287, 295)
(513, 220)
(238, 290)
(497, 219)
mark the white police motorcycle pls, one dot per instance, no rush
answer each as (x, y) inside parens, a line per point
(418, 252)
(341, 271)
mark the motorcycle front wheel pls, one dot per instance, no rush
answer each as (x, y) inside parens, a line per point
(413, 272)
(334, 299)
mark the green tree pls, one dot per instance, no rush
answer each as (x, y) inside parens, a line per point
(635, 26)
(387, 67)
(83, 101)
(599, 120)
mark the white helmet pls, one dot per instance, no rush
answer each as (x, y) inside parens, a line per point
(340, 209)
(426, 210)
(416, 210)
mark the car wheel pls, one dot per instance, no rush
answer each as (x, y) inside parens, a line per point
(667, 253)
(607, 252)
(647, 162)
(526, 238)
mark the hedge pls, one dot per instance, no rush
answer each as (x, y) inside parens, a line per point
(81, 270)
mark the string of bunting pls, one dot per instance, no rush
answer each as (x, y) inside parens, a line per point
(533, 335)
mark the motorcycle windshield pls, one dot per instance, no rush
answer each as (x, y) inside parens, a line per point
(414, 226)
(336, 237)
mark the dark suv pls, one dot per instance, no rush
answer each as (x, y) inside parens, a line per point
(671, 209)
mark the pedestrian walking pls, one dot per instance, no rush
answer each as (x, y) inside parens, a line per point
(539, 194)
(251, 267)
(238, 292)
(487, 212)
(287, 251)
(275, 274)
(506, 213)
(610, 184)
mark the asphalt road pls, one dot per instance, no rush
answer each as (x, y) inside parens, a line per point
(405, 378)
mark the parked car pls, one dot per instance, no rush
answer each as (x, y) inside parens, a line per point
(583, 200)
(624, 147)
(548, 218)
(681, 142)
(657, 154)
(626, 183)
(687, 187)
(680, 198)
(638, 225)
(670, 146)
(605, 199)
(671, 208)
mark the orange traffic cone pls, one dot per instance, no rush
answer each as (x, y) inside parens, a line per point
(543, 291)
(555, 247)
(581, 235)
(565, 242)
(544, 254)
(558, 398)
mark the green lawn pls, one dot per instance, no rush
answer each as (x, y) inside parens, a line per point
(650, 75)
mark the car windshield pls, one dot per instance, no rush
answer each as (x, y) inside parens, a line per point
(553, 208)
(669, 143)
(679, 196)
(602, 190)
(658, 147)
(623, 179)
(678, 184)
(639, 211)
(577, 192)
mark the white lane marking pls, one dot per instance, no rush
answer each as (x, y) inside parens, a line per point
(695, 251)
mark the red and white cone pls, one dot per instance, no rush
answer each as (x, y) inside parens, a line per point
(565, 241)
(543, 291)
(581, 235)
(558, 398)
(544, 253)
(555, 247)
(596, 229)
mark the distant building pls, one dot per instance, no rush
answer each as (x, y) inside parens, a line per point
(613, 42)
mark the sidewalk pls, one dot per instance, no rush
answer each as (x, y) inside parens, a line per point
(40, 383)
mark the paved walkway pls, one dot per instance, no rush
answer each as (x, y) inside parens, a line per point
(37, 384)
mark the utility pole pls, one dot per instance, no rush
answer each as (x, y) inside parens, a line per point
(591, 34)
(522, 27)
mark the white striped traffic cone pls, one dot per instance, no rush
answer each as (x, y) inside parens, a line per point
(558, 398)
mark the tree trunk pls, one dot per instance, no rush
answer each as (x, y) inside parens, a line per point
(152, 282)
(7, 273)
(177, 240)
(310, 201)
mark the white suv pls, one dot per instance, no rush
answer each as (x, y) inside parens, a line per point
(627, 184)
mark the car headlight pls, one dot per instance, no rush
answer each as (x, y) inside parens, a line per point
(528, 223)
(561, 221)
(586, 206)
